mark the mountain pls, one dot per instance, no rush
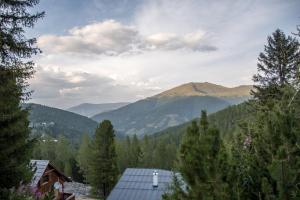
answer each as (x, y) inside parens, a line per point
(89, 109)
(54, 121)
(173, 107)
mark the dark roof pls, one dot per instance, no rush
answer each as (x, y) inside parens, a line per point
(39, 167)
(136, 184)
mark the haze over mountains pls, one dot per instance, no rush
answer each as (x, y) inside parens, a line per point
(173, 107)
(89, 109)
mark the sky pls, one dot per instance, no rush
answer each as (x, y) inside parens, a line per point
(101, 51)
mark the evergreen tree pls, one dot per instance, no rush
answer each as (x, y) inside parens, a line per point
(277, 66)
(103, 171)
(202, 163)
(15, 69)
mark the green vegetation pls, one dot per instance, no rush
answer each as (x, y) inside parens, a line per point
(15, 69)
(103, 170)
(60, 153)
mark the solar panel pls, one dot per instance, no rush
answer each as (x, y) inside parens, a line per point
(136, 184)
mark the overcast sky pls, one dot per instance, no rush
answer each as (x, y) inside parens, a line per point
(100, 51)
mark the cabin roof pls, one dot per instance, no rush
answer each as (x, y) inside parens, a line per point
(39, 167)
(136, 184)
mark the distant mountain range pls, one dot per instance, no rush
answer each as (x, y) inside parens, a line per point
(167, 109)
(89, 109)
(54, 121)
(173, 107)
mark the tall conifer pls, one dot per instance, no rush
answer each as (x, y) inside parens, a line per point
(277, 66)
(103, 171)
(15, 69)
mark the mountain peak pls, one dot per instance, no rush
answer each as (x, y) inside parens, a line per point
(206, 89)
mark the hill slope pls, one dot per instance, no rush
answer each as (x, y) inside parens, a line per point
(89, 109)
(225, 120)
(54, 121)
(173, 107)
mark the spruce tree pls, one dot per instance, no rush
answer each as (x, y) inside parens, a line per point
(277, 66)
(15, 69)
(103, 170)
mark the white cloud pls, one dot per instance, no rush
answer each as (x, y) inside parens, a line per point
(56, 87)
(108, 37)
(113, 38)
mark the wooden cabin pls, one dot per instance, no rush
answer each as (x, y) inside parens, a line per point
(47, 179)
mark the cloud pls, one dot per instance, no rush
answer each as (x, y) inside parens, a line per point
(195, 41)
(113, 38)
(97, 38)
(58, 88)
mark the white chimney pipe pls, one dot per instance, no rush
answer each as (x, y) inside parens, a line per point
(155, 179)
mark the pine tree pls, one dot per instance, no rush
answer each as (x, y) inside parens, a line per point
(277, 66)
(103, 171)
(15, 69)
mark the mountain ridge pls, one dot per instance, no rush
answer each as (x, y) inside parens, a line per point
(206, 89)
(91, 109)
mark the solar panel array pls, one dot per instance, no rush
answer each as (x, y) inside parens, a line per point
(136, 184)
(39, 167)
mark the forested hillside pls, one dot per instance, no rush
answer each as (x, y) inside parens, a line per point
(225, 120)
(54, 122)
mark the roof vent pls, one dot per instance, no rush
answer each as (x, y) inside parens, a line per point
(155, 179)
